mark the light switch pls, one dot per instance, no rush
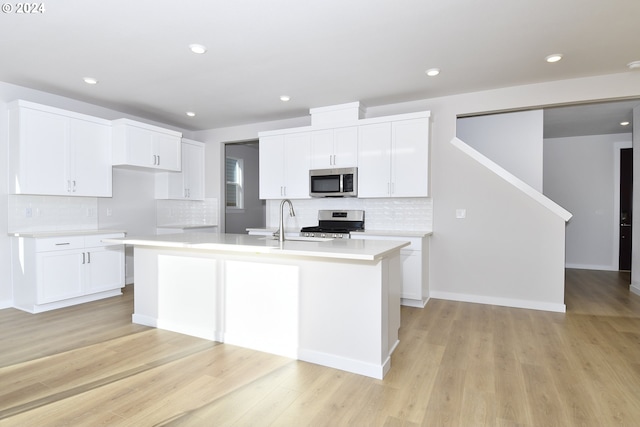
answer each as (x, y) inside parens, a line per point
(461, 213)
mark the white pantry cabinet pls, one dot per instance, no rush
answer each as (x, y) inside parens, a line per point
(284, 166)
(55, 272)
(141, 145)
(415, 265)
(58, 152)
(393, 158)
(334, 148)
(188, 184)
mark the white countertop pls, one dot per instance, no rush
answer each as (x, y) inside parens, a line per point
(399, 233)
(44, 234)
(391, 233)
(349, 249)
(186, 226)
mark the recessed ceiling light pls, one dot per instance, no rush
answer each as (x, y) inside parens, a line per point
(285, 98)
(197, 48)
(554, 58)
(635, 65)
(191, 114)
(624, 123)
(432, 72)
(90, 81)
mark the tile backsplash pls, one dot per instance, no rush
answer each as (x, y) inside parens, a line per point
(405, 214)
(51, 213)
(186, 212)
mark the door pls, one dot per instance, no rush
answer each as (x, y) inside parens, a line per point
(626, 202)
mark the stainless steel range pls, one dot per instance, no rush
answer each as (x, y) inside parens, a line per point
(335, 224)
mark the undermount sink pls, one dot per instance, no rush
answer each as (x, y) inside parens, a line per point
(300, 239)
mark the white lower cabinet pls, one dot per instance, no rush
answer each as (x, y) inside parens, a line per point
(415, 266)
(55, 272)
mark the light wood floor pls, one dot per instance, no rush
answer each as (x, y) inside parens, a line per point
(457, 364)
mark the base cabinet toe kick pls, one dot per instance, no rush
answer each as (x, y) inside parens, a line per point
(343, 314)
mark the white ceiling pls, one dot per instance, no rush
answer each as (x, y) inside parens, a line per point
(318, 52)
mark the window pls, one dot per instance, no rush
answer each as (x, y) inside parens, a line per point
(234, 174)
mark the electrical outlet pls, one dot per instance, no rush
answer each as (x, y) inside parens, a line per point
(461, 213)
(109, 212)
(28, 213)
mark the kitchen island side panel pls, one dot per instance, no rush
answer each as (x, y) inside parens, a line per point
(337, 313)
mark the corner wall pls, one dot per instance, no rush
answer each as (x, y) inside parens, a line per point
(507, 249)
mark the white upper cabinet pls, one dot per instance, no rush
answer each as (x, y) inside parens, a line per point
(410, 158)
(393, 159)
(142, 145)
(188, 184)
(58, 152)
(284, 166)
(334, 148)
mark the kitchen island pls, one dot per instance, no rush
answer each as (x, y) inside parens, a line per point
(330, 302)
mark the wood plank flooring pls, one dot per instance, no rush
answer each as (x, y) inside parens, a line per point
(458, 364)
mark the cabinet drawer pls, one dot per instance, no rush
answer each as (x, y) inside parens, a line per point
(59, 243)
(93, 241)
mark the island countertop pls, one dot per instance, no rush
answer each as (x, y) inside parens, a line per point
(351, 249)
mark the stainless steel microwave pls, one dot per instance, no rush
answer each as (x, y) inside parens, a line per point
(339, 182)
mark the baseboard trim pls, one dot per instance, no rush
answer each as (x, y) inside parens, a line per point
(592, 267)
(634, 289)
(505, 302)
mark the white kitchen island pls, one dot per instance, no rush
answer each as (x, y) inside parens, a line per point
(331, 302)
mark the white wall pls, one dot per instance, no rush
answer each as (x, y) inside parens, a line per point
(582, 174)
(6, 294)
(512, 140)
(508, 248)
(635, 220)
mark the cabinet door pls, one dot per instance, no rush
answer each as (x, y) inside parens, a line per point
(90, 158)
(104, 268)
(345, 143)
(60, 275)
(334, 148)
(410, 158)
(322, 149)
(139, 147)
(43, 157)
(193, 169)
(374, 160)
(167, 149)
(297, 148)
(271, 161)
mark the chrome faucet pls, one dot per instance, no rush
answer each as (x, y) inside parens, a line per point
(280, 232)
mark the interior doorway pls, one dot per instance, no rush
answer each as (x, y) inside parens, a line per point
(243, 207)
(626, 207)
